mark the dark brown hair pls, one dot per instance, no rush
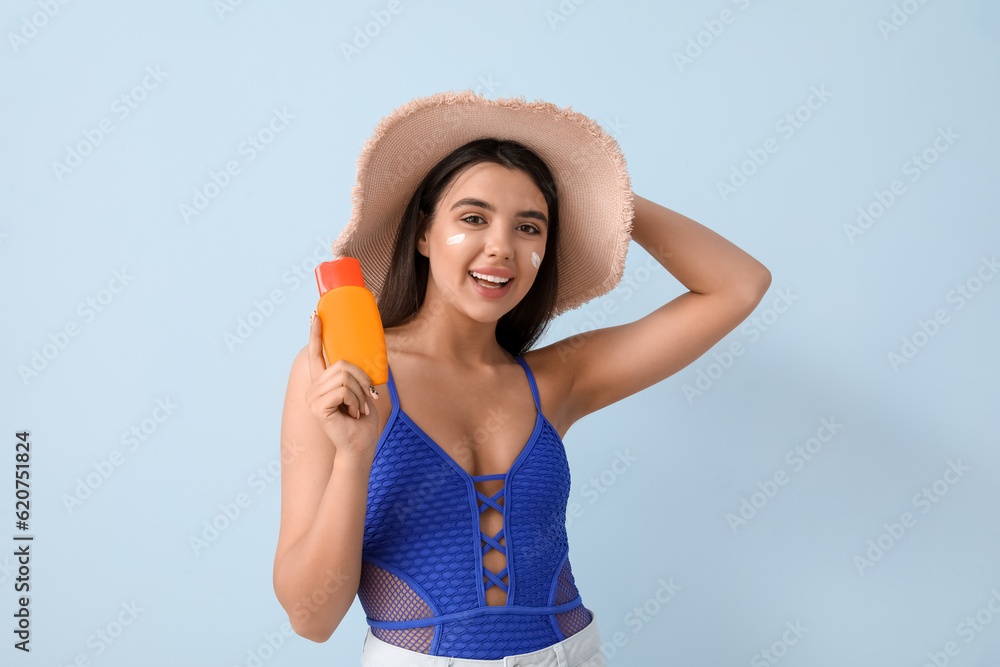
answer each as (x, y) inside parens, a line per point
(402, 293)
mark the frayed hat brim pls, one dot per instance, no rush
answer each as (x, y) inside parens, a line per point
(591, 174)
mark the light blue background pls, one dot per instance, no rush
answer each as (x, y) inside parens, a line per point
(819, 353)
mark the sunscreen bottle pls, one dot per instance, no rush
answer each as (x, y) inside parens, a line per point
(352, 326)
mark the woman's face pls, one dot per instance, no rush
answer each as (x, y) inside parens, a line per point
(491, 219)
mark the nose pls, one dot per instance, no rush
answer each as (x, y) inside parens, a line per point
(499, 241)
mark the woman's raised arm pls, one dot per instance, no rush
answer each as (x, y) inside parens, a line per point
(725, 284)
(317, 564)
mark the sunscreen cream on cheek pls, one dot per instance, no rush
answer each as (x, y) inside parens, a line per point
(457, 238)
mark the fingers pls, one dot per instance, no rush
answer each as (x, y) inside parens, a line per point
(316, 362)
(353, 379)
(343, 383)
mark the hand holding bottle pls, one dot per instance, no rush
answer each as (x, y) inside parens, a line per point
(338, 398)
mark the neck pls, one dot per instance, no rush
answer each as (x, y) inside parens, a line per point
(444, 334)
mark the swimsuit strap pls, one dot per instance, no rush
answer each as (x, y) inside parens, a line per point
(531, 380)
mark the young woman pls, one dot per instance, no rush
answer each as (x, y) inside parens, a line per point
(439, 497)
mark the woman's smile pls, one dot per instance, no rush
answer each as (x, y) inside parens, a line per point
(488, 289)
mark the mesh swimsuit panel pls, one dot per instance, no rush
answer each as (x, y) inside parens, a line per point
(423, 583)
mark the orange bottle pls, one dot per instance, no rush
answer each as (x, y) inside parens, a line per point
(352, 326)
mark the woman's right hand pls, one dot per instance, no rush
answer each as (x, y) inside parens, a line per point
(338, 398)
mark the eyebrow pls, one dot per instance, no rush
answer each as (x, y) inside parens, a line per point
(472, 201)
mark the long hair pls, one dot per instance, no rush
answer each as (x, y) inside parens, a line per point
(402, 294)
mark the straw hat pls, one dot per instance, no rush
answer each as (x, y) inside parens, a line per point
(592, 182)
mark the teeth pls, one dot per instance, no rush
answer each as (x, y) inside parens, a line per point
(492, 279)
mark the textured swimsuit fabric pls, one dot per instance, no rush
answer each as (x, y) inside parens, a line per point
(422, 550)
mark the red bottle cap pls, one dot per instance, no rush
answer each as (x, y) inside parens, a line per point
(337, 273)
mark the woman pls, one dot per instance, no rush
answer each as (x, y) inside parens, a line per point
(439, 497)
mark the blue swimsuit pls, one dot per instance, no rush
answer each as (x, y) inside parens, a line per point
(423, 583)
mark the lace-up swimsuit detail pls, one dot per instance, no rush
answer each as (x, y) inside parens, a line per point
(423, 582)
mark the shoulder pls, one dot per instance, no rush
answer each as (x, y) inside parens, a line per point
(299, 372)
(552, 368)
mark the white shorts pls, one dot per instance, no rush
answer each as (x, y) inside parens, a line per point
(582, 649)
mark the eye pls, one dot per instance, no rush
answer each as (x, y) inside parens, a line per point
(469, 218)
